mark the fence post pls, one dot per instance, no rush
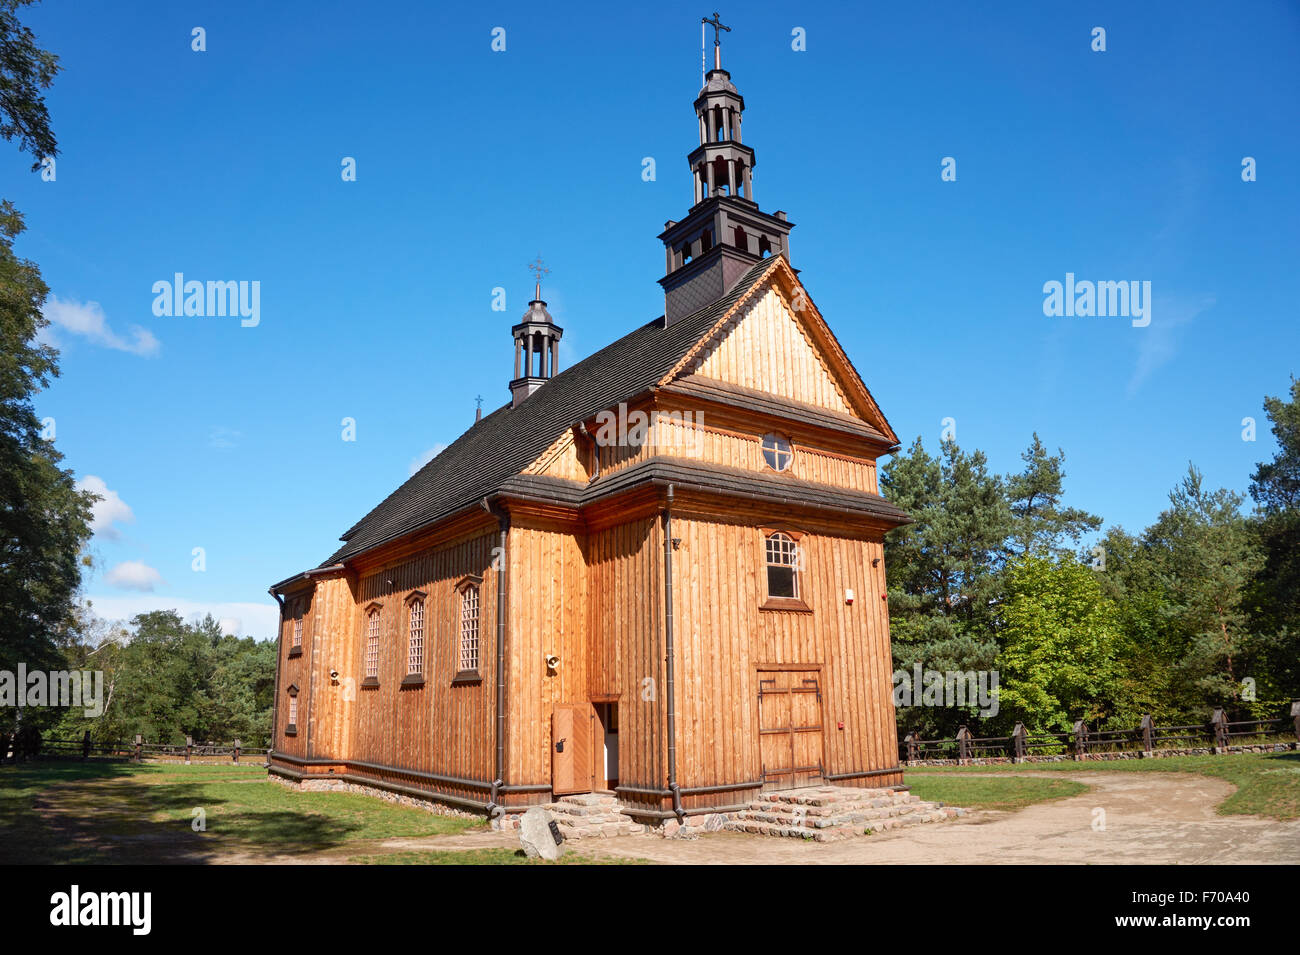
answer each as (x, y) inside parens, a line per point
(85, 746)
(1219, 729)
(914, 751)
(139, 746)
(189, 745)
(1080, 739)
(1019, 744)
(1295, 712)
(963, 744)
(236, 752)
(1148, 730)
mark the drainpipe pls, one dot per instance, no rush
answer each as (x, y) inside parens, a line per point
(498, 778)
(279, 659)
(668, 649)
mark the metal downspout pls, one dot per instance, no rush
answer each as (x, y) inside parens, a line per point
(275, 702)
(494, 810)
(668, 649)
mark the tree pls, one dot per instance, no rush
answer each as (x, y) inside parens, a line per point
(25, 70)
(943, 570)
(1206, 554)
(1061, 645)
(44, 519)
(1040, 524)
(1275, 488)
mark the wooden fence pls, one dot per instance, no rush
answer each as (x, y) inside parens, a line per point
(136, 751)
(1219, 735)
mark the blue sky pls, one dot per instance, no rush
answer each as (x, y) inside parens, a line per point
(376, 294)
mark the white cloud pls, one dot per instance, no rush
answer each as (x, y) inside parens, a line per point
(87, 320)
(224, 438)
(258, 620)
(426, 457)
(1160, 340)
(108, 510)
(133, 575)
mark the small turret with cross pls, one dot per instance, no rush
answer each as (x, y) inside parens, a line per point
(537, 343)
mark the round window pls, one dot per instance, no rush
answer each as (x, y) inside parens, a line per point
(776, 451)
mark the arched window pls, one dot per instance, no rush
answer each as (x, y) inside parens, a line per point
(764, 246)
(469, 626)
(291, 727)
(739, 239)
(777, 453)
(372, 644)
(415, 634)
(782, 558)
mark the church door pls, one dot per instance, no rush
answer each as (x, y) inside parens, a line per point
(573, 750)
(790, 727)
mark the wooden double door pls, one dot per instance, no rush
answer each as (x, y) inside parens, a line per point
(790, 728)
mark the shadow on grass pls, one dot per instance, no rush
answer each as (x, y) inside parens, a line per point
(67, 812)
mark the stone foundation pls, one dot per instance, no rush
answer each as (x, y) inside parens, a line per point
(324, 785)
(834, 813)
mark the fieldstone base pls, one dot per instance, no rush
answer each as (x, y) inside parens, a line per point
(402, 799)
(585, 816)
(833, 813)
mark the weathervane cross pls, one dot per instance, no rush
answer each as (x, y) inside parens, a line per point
(538, 271)
(717, 25)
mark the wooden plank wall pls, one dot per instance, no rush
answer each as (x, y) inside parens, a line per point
(333, 648)
(767, 350)
(723, 637)
(691, 438)
(547, 615)
(625, 648)
(436, 727)
(294, 671)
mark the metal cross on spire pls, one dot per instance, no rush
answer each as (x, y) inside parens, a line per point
(538, 271)
(717, 25)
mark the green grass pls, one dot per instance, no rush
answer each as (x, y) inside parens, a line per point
(483, 857)
(1009, 794)
(121, 812)
(1268, 784)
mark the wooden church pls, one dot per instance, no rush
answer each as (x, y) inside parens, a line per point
(658, 573)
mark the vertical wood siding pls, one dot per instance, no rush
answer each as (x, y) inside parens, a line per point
(767, 350)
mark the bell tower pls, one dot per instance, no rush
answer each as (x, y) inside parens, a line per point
(725, 232)
(537, 344)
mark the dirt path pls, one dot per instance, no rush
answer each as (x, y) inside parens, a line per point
(1149, 818)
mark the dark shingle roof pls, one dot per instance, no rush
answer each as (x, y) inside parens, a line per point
(509, 439)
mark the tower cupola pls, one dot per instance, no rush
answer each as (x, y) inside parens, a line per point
(725, 232)
(537, 344)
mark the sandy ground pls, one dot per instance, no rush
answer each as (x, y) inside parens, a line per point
(1124, 818)
(1149, 818)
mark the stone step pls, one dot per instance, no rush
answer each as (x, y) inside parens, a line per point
(604, 831)
(851, 818)
(828, 816)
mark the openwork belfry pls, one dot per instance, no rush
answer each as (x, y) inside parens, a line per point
(667, 614)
